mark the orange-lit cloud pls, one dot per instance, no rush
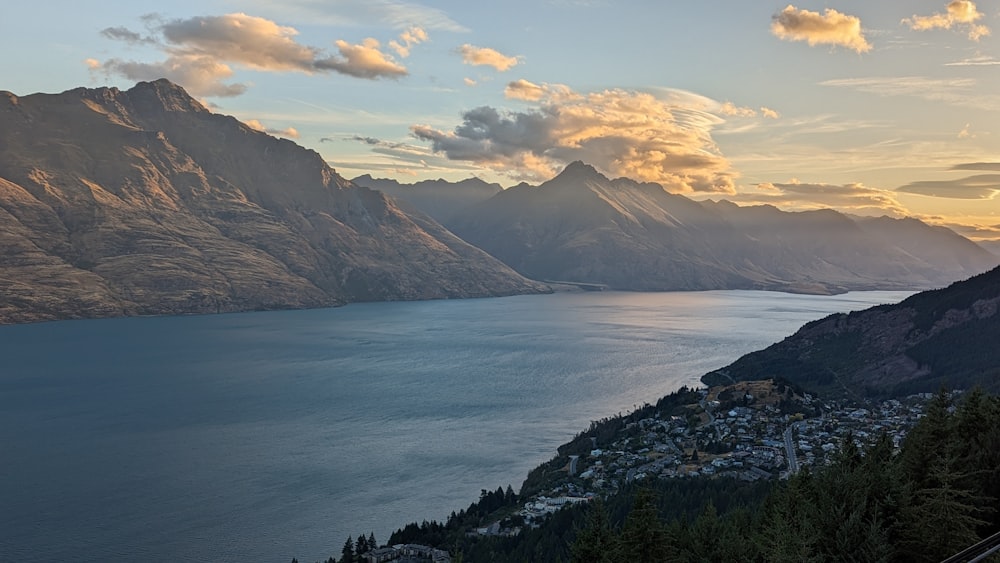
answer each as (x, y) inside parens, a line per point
(729, 108)
(469, 81)
(201, 49)
(829, 28)
(484, 56)
(663, 138)
(958, 13)
(256, 125)
(199, 75)
(362, 61)
(407, 39)
(854, 197)
(769, 113)
(530, 92)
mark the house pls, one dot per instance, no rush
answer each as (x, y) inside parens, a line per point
(381, 554)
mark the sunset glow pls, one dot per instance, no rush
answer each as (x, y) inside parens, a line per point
(870, 108)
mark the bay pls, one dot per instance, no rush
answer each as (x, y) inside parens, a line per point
(271, 435)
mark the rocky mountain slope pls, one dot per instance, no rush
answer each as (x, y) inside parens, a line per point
(942, 337)
(145, 202)
(583, 227)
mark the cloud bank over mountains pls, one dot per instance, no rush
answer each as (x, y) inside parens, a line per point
(663, 137)
(528, 127)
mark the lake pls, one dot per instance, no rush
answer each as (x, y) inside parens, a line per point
(271, 435)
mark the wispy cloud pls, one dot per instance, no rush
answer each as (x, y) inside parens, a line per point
(201, 50)
(953, 91)
(853, 197)
(961, 14)
(976, 232)
(991, 166)
(485, 56)
(395, 14)
(980, 186)
(978, 60)
(829, 28)
(664, 138)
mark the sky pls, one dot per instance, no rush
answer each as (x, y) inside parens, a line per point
(871, 108)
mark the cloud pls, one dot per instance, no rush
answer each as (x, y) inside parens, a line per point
(731, 109)
(978, 60)
(978, 233)
(256, 125)
(966, 132)
(980, 186)
(991, 166)
(852, 197)
(407, 39)
(955, 91)
(201, 50)
(663, 138)
(126, 35)
(469, 82)
(396, 14)
(484, 56)
(523, 90)
(829, 28)
(958, 13)
(769, 113)
(199, 75)
(362, 61)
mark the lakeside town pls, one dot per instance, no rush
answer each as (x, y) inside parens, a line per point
(750, 431)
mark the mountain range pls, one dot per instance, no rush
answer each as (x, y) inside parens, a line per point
(443, 200)
(145, 202)
(583, 227)
(932, 339)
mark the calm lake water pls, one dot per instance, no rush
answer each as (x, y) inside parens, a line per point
(267, 436)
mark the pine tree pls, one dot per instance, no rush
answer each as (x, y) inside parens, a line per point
(360, 547)
(597, 542)
(347, 553)
(644, 537)
(941, 519)
(372, 544)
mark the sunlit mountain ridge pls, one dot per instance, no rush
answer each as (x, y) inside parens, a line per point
(145, 202)
(584, 227)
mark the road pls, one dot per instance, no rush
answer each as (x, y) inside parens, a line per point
(793, 462)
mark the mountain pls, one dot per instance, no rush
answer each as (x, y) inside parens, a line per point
(991, 245)
(941, 337)
(145, 202)
(444, 201)
(582, 227)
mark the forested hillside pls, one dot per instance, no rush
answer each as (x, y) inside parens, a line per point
(932, 498)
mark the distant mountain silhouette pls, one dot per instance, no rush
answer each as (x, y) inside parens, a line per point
(941, 337)
(444, 201)
(582, 227)
(991, 245)
(145, 202)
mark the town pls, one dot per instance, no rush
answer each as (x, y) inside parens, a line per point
(750, 430)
